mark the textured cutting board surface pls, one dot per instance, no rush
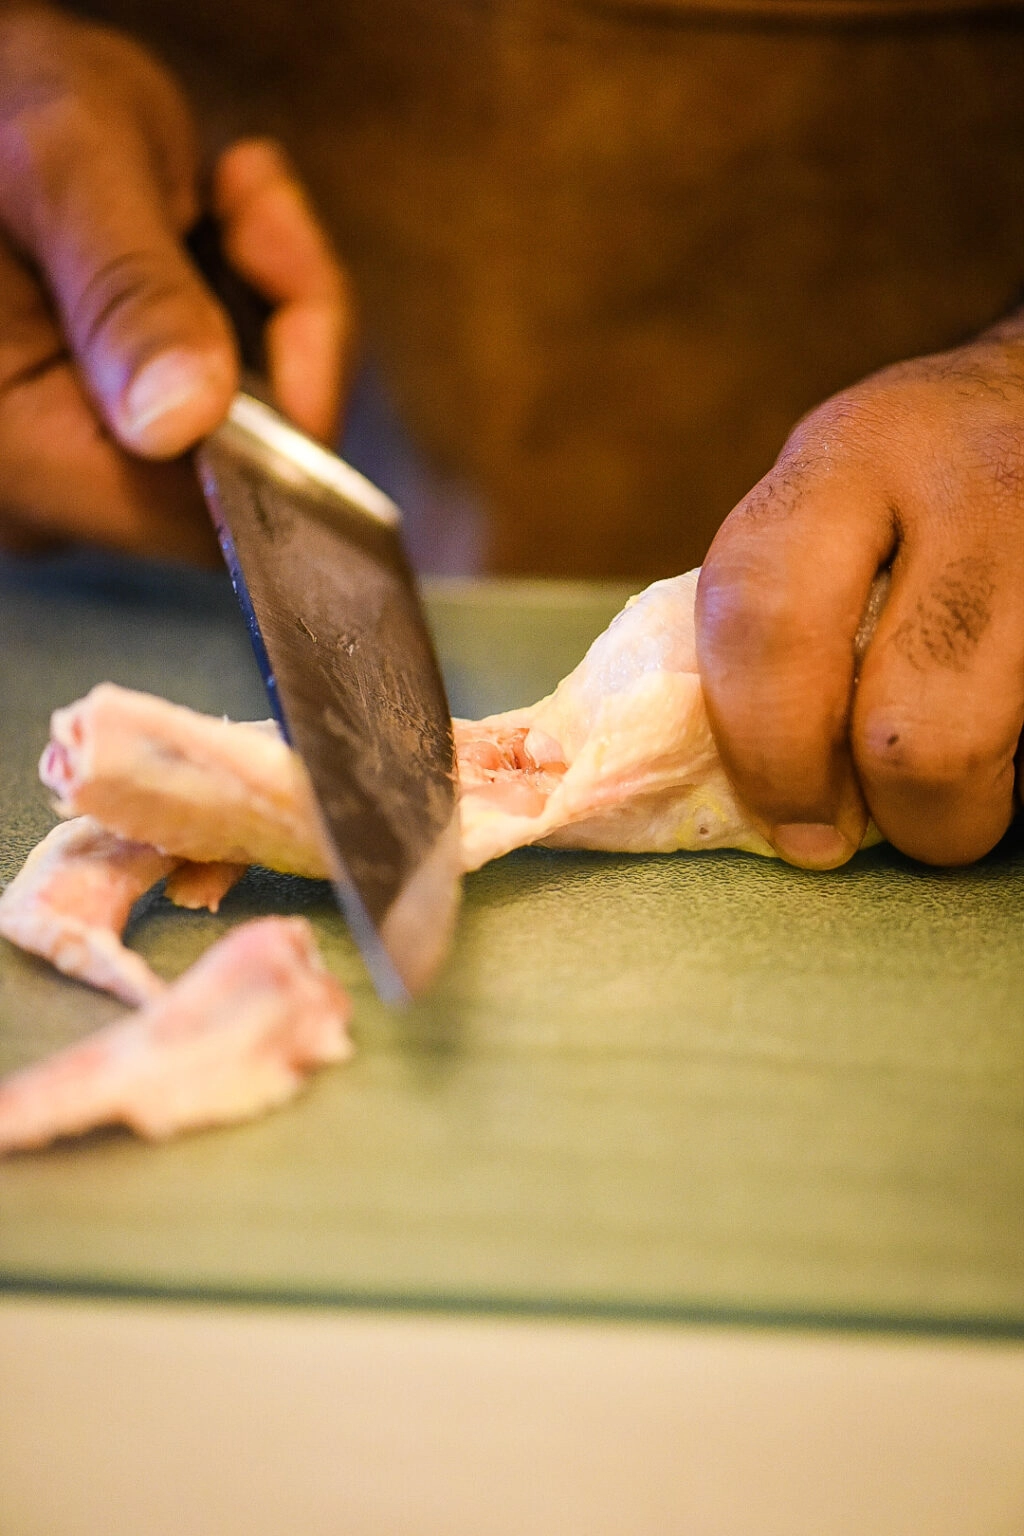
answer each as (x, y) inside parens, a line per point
(702, 1085)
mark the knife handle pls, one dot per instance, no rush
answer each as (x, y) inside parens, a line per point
(247, 310)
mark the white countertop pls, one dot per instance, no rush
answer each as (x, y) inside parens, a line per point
(151, 1419)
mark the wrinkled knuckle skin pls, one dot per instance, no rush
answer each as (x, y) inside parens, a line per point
(773, 498)
(840, 432)
(839, 414)
(999, 457)
(836, 447)
(120, 284)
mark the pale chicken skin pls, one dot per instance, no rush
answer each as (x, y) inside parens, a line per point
(235, 1036)
(71, 899)
(619, 757)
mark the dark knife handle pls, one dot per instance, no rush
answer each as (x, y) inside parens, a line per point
(248, 310)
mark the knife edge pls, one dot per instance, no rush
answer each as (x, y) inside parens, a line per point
(267, 482)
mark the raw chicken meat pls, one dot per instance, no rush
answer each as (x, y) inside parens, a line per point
(193, 786)
(619, 757)
(70, 902)
(201, 885)
(232, 1037)
(72, 897)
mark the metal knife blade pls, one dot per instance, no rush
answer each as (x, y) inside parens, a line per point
(317, 562)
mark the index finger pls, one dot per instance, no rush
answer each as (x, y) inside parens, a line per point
(779, 602)
(273, 238)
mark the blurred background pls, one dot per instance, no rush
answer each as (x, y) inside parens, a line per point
(608, 251)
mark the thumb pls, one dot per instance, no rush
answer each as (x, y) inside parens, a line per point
(152, 344)
(153, 347)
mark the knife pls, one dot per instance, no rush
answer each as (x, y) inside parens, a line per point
(316, 560)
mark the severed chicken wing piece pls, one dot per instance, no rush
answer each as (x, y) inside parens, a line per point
(234, 1036)
(70, 902)
(72, 897)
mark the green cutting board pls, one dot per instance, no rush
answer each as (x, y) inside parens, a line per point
(690, 1086)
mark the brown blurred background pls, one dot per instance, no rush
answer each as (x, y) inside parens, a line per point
(610, 250)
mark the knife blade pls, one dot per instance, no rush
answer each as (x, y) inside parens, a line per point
(316, 559)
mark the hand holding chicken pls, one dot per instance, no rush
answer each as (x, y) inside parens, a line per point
(918, 470)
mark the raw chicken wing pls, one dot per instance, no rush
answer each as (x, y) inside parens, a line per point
(232, 1037)
(70, 902)
(72, 897)
(620, 756)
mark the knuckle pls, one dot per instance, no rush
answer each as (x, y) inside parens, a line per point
(835, 433)
(45, 143)
(775, 497)
(46, 93)
(831, 449)
(838, 414)
(997, 457)
(116, 287)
